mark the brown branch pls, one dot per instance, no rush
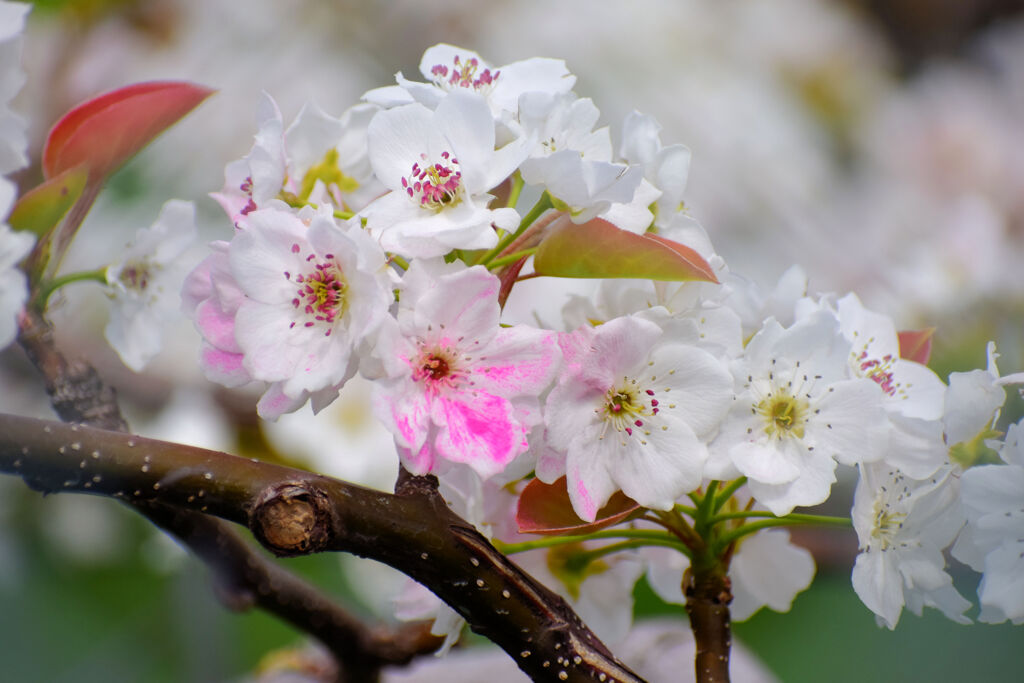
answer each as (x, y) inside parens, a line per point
(708, 594)
(244, 577)
(294, 512)
(76, 391)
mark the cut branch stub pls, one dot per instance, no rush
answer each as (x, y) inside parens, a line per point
(292, 519)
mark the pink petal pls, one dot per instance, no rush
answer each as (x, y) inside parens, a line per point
(479, 432)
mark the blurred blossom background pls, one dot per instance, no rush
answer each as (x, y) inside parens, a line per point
(879, 144)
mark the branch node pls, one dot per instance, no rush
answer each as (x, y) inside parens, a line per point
(292, 519)
(409, 484)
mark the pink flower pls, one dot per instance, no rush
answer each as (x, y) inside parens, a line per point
(456, 386)
(288, 302)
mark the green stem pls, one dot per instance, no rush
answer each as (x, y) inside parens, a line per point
(48, 287)
(648, 536)
(402, 263)
(511, 258)
(727, 493)
(796, 518)
(791, 520)
(704, 510)
(542, 205)
(598, 553)
(515, 190)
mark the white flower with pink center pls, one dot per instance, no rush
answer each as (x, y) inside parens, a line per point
(455, 385)
(312, 293)
(912, 394)
(211, 297)
(439, 166)
(631, 411)
(449, 68)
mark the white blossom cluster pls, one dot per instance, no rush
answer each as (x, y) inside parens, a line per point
(652, 389)
(383, 243)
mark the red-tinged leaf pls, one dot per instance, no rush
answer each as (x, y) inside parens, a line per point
(42, 207)
(108, 130)
(598, 249)
(916, 345)
(546, 509)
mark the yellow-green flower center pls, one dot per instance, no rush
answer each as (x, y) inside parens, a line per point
(328, 172)
(784, 415)
(887, 524)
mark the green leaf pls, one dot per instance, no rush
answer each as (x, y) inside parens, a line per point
(41, 208)
(106, 131)
(546, 509)
(598, 249)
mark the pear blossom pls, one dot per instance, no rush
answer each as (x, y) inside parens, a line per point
(973, 402)
(679, 308)
(328, 158)
(557, 122)
(287, 302)
(312, 294)
(143, 284)
(754, 305)
(439, 165)
(908, 387)
(14, 246)
(210, 297)
(251, 182)
(795, 414)
(993, 540)
(455, 386)
(667, 168)
(912, 394)
(450, 69)
(903, 525)
(632, 411)
(13, 139)
(574, 164)
(586, 188)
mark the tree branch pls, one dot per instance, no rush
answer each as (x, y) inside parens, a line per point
(294, 512)
(244, 578)
(708, 594)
